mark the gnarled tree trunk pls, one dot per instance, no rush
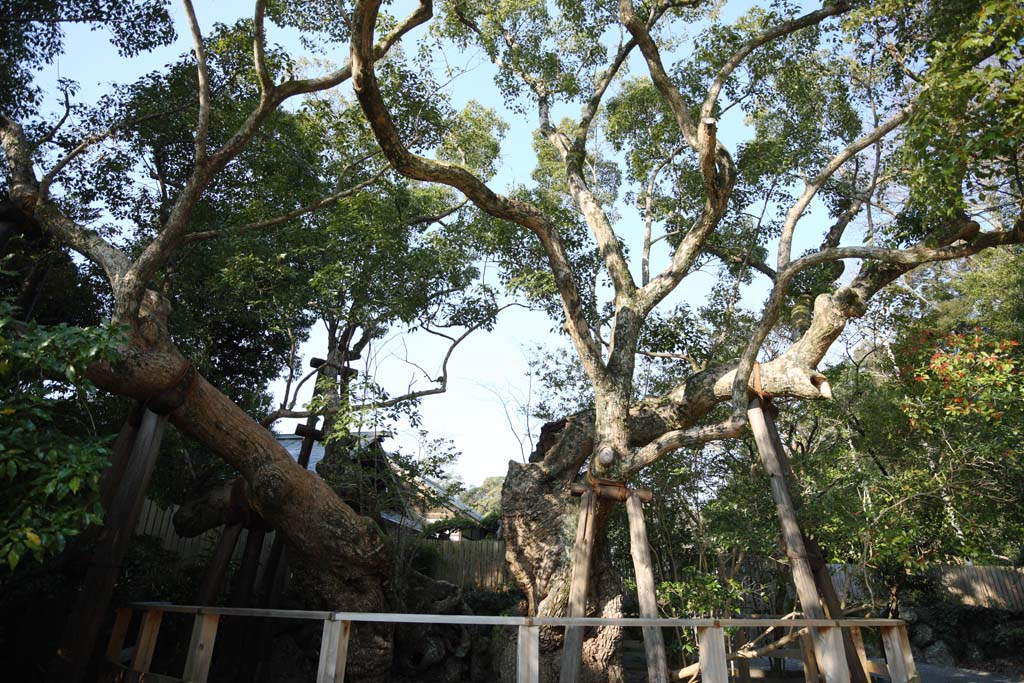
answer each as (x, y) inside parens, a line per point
(539, 517)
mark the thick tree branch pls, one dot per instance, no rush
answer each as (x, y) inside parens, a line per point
(259, 48)
(25, 192)
(159, 250)
(641, 33)
(420, 168)
(730, 428)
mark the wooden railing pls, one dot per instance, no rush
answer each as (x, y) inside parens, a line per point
(337, 625)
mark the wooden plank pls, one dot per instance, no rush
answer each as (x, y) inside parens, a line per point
(1017, 584)
(405, 618)
(858, 644)
(200, 648)
(118, 673)
(573, 645)
(811, 673)
(333, 651)
(654, 644)
(528, 655)
(83, 625)
(147, 640)
(711, 645)
(897, 655)
(120, 453)
(834, 671)
(908, 655)
(122, 619)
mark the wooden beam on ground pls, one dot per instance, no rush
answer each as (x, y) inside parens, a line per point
(333, 651)
(528, 655)
(90, 611)
(200, 648)
(803, 577)
(654, 644)
(572, 650)
(711, 645)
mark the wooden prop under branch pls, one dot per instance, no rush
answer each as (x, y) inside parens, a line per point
(612, 492)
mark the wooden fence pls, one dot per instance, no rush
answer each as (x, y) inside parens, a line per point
(480, 565)
(472, 565)
(999, 587)
(714, 659)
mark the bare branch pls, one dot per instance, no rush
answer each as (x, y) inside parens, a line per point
(740, 259)
(53, 131)
(93, 139)
(203, 125)
(423, 219)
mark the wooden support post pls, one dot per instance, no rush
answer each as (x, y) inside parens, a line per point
(572, 650)
(819, 568)
(528, 655)
(115, 645)
(803, 576)
(654, 644)
(200, 648)
(744, 670)
(120, 454)
(84, 622)
(333, 651)
(858, 645)
(146, 643)
(898, 656)
(711, 645)
(214, 578)
(241, 592)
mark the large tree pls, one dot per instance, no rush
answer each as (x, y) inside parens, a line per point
(881, 133)
(933, 125)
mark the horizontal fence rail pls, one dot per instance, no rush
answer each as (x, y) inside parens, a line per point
(337, 627)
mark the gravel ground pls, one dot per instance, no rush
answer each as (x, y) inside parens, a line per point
(944, 674)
